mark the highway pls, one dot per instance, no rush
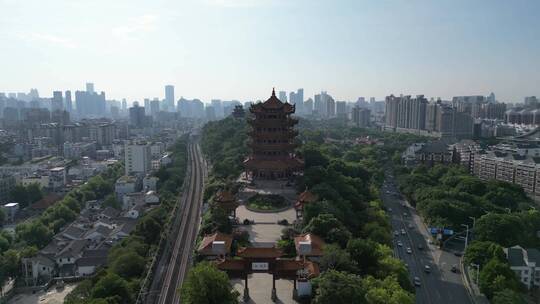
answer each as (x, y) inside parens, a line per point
(176, 259)
(440, 285)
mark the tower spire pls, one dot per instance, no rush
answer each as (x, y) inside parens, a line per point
(273, 92)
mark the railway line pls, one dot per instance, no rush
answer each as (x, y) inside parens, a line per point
(176, 260)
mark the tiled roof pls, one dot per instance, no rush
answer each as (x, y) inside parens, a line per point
(515, 256)
(73, 249)
(273, 164)
(259, 252)
(73, 232)
(46, 201)
(317, 243)
(110, 212)
(92, 261)
(224, 196)
(206, 244)
(305, 197)
(229, 264)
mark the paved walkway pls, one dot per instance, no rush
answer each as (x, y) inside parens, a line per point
(264, 233)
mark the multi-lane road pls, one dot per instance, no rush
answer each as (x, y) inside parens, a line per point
(440, 285)
(176, 258)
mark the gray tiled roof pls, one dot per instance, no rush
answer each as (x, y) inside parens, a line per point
(515, 256)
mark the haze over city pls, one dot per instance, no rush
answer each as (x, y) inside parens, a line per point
(239, 49)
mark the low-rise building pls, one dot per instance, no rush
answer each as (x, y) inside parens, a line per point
(124, 185)
(429, 154)
(526, 264)
(10, 210)
(7, 183)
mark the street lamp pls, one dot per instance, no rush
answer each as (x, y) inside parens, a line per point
(466, 235)
(473, 221)
(477, 271)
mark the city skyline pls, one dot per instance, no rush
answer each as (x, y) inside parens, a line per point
(237, 49)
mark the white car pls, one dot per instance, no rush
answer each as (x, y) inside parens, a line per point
(427, 269)
(409, 251)
(396, 233)
(400, 244)
(402, 231)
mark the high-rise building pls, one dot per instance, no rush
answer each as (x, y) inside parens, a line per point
(292, 98)
(124, 104)
(169, 98)
(89, 103)
(147, 106)
(361, 116)
(330, 107)
(299, 96)
(341, 109)
(308, 107)
(137, 118)
(491, 98)
(138, 158)
(57, 102)
(405, 112)
(283, 96)
(154, 107)
(90, 88)
(218, 108)
(68, 102)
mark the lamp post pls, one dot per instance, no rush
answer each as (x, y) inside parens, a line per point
(466, 235)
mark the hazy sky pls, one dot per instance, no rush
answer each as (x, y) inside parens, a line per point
(240, 49)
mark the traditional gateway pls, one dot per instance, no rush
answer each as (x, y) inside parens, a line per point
(272, 141)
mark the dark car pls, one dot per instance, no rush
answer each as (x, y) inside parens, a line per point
(454, 269)
(458, 253)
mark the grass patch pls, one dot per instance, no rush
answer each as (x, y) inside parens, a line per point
(267, 202)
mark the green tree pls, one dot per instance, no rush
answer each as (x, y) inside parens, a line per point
(480, 253)
(19, 195)
(503, 229)
(111, 201)
(112, 286)
(508, 296)
(365, 254)
(34, 233)
(496, 276)
(149, 228)
(387, 291)
(34, 193)
(339, 287)
(11, 262)
(329, 228)
(337, 259)
(128, 265)
(206, 284)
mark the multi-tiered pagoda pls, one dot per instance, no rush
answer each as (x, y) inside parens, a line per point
(272, 141)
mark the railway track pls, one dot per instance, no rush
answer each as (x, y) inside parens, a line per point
(184, 233)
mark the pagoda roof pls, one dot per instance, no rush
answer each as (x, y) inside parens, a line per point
(272, 103)
(230, 264)
(317, 244)
(224, 197)
(205, 248)
(259, 252)
(273, 164)
(305, 197)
